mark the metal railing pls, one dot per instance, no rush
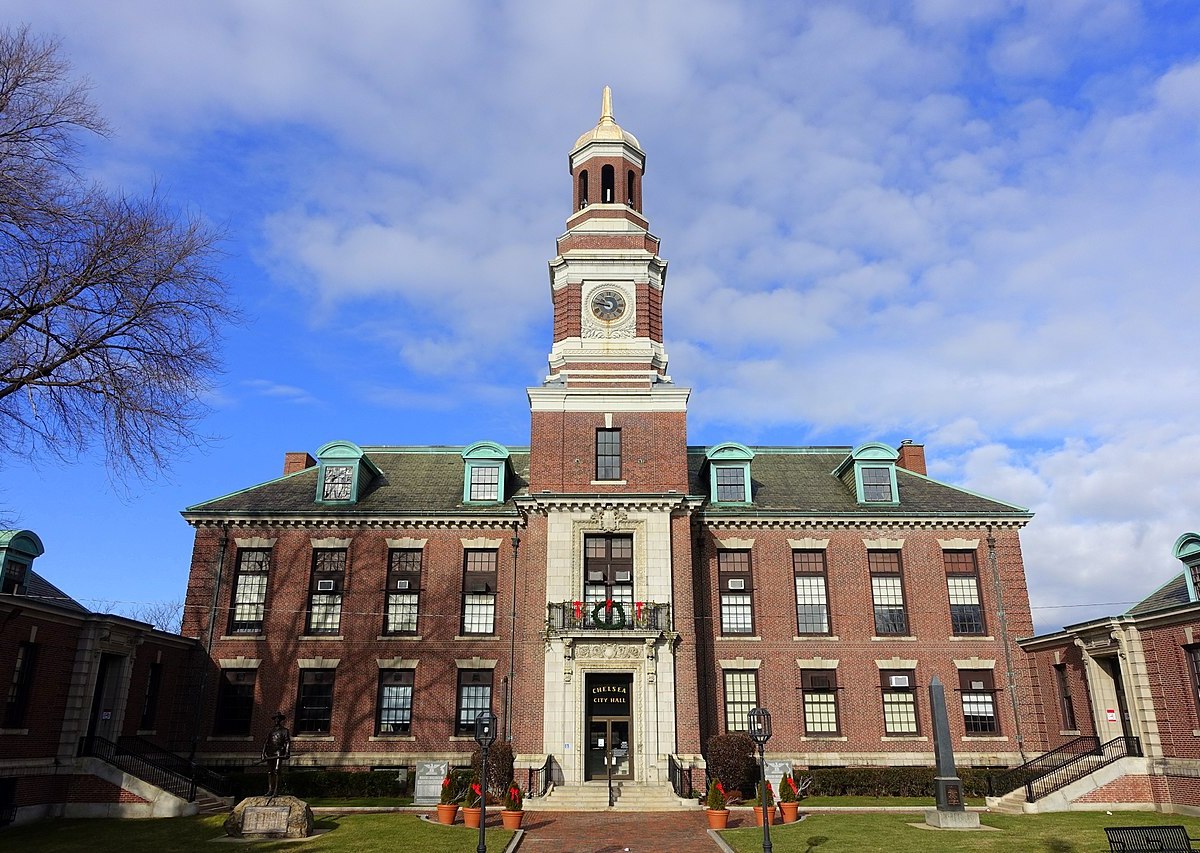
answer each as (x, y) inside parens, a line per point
(1082, 765)
(1020, 777)
(586, 616)
(681, 778)
(204, 778)
(137, 765)
(539, 779)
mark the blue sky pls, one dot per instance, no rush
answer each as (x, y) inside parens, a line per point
(969, 224)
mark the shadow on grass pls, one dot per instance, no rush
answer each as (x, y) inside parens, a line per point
(814, 841)
(1057, 845)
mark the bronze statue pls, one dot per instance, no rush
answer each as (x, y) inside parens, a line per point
(276, 751)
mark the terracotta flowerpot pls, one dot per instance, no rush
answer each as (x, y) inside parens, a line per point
(511, 820)
(471, 816)
(446, 812)
(758, 816)
(789, 811)
(717, 818)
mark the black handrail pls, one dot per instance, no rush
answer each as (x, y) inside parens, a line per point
(203, 777)
(538, 780)
(1020, 777)
(681, 782)
(137, 765)
(1081, 766)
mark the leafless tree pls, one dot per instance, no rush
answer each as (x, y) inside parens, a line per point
(110, 305)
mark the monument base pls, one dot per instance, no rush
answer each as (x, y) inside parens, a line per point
(270, 817)
(952, 819)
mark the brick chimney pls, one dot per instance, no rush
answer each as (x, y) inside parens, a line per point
(293, 462)
(912, 456)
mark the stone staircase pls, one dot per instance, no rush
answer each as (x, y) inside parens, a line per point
(1014, 802)
(210, 804)
(593, 797)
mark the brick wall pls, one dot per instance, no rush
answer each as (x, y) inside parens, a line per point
(653, 447)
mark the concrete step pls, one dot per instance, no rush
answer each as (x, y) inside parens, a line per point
(592, 796)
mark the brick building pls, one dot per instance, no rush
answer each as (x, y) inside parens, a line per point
(1133, 677)
(608, 585)
(73, 677)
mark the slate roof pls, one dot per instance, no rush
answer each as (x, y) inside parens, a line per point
(37, 587)
(429, 481)
(1171, 594)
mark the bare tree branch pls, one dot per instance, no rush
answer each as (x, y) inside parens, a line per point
(111, 306)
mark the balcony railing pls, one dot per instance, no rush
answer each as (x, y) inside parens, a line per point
(588, 616)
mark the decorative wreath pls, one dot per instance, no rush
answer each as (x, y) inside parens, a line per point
(607, 621)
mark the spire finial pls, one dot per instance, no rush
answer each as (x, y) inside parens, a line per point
(606, 113)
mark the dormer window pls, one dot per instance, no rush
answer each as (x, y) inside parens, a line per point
(729, 473)
(870, 470)
(485, 465)
(1187, 550)
(18, 550)
(343, 474)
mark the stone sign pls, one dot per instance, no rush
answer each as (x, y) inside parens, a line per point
(428, 788)
(270, 817)
(258, 820)
(775, 771)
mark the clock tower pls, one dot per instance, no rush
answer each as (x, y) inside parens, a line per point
(608, 418)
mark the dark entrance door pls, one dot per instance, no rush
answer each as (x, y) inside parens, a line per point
(1113, 666)
(609, 726)
(102, 722)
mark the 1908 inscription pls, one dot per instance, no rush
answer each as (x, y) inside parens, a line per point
(265, 820)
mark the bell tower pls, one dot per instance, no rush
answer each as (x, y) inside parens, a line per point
(608, 417)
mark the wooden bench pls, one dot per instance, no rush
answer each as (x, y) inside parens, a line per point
(1148, 839)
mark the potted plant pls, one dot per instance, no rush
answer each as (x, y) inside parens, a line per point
(447, 807)
(759, 799)
(514, 808)
(473, 803)
(788, 804)
(718, 814)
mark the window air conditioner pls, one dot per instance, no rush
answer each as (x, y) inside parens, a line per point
(624, 577)
(595, 576)
(737, 583)
(401, 584)
(325, 586)
(897, 681)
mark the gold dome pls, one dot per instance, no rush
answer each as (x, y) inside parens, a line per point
(607, 130)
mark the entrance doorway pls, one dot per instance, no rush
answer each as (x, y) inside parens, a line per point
(609, 726)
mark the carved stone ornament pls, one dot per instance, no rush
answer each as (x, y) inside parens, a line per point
(610, 520)
(609, 651)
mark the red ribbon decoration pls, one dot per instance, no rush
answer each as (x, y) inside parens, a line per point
(578, 609)
(638, 609)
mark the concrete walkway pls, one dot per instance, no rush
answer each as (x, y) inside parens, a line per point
(614, 832)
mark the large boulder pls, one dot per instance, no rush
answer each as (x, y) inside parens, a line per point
(270, 817)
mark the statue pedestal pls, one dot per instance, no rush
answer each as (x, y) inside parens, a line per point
(270, 817)
(952, 819)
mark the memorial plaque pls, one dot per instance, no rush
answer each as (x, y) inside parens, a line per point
(775, 771)
(265, 820)
(428, 789)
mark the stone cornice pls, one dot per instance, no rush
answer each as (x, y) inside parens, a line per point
(339, 522)
(758, 521)
(546, 502)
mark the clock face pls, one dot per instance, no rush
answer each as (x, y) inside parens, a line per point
(608, 305)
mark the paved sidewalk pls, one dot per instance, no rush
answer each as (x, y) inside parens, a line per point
(615, 832)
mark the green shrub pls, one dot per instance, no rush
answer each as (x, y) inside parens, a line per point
(335, 784)
(716, 795)
(730, 758)
(889, 782)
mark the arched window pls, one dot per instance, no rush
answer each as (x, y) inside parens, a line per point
(629, 190)
(583, 189)
(608, 179)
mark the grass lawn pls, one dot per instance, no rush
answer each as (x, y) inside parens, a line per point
(368, 833)
(343, 802)
(1075, 832)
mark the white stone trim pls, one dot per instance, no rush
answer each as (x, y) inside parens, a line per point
(474, 663)
(808, 544)
(740, 663)
(330, 542)
(883, 544)
(406, 542)
(817, 663)
(601, 400)
(959, 544)
(255, 542)
(240, 662)
(318, 663)
(734, 544)
(896, 663)
(396, 663)
(482, 543)
(975, 662)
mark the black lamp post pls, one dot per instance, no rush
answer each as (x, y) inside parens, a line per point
(760, 733)
(485, 736)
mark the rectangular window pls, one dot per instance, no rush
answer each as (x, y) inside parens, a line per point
(485, 483)
(741, 696)
(812, 601)
(899, 702)
(13, 574)
(978, 690)
(325, 591)
(150, 700)
(339, 480)
(479, 592)
(402, 592)
(1066, 707)
(731, 483)
(314, 702)
(887, 593)
(608, 574)
(608, 454)
(962, 582)
(737, 585)
(877, 484)
(819, 687)
(16, 705)
(235, 702)
(249, 591)
(1193, 656)
(474, 697)
(394, 705)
